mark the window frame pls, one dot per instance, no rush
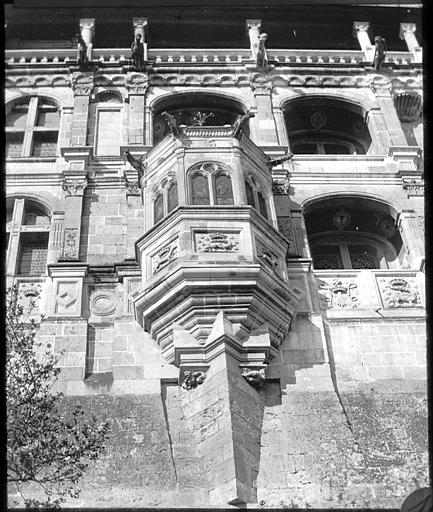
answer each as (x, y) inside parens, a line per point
(211, 176)
(163, 189)
(35, 105)
(256, 190)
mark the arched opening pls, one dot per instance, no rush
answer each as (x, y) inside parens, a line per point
(323, 125)
(352, 233)
(196, 109)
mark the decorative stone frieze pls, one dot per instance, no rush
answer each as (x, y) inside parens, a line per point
(399, 292)
(408, 105)
(339, 293)
(217, 242)
(413, 186)
(164, 256)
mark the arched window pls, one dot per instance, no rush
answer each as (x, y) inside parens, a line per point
(165, 200)
(32, 128)
(223, 189)
(28, 225)
(210, 184)
(255, 197)
(200, 189)
(196, 109)
(350, 236)
(172, 197)
(320, 125)
(158, 208)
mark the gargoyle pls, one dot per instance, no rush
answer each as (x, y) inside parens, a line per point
(138, 164)
(240, 121)
(277, 161)
(193, 379)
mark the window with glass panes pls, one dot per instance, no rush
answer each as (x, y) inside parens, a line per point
(28, 226)
(32, 128)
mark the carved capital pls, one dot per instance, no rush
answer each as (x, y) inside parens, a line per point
(260, 85)
(137, 83)
(255, 24)
(73, 187)
(413, 186)
(140, 23)
(132, 188)
(88, 24)
(82, 84)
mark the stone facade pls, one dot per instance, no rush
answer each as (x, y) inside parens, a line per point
(251, 324)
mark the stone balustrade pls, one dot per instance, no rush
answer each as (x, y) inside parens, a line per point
(204, 56)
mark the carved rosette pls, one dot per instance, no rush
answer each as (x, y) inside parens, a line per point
(217, 242)
(339, 293)
(164, 256)
(398, 292)
(71, 244)
(103, 303)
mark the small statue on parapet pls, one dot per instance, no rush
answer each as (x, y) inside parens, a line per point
(138, 164)
(172, 124)
(262, 57)
(192, 379)
(379, 52)
(238, 125)
(82, 57)
(137, 53)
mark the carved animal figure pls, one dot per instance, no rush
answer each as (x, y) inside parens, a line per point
(262, 58)
(138, 164)
(137, 53)
(379, 53)
(240, 121)
(254, 377)
(192, 379)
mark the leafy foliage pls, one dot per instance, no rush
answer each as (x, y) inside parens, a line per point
(44, 446)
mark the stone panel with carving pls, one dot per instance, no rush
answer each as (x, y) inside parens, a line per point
(66, 297)
(133, 286)
(217, 242)
(164, 256)
(339, 293)
(29, 296)
(399, 292)
(71, 244)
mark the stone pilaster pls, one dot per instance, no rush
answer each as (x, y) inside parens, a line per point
(407, 32)
(379, 133)
(138, 129)
(281, 128)
(55, 246)
(360, 31)
(82, 85)
(301, 246)
(413, 238)
(73, 185)
(393, 126)
(265, 121)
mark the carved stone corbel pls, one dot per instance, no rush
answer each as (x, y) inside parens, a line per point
(255, 376)
(137, 83)
(83, 83)
(73, 187)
